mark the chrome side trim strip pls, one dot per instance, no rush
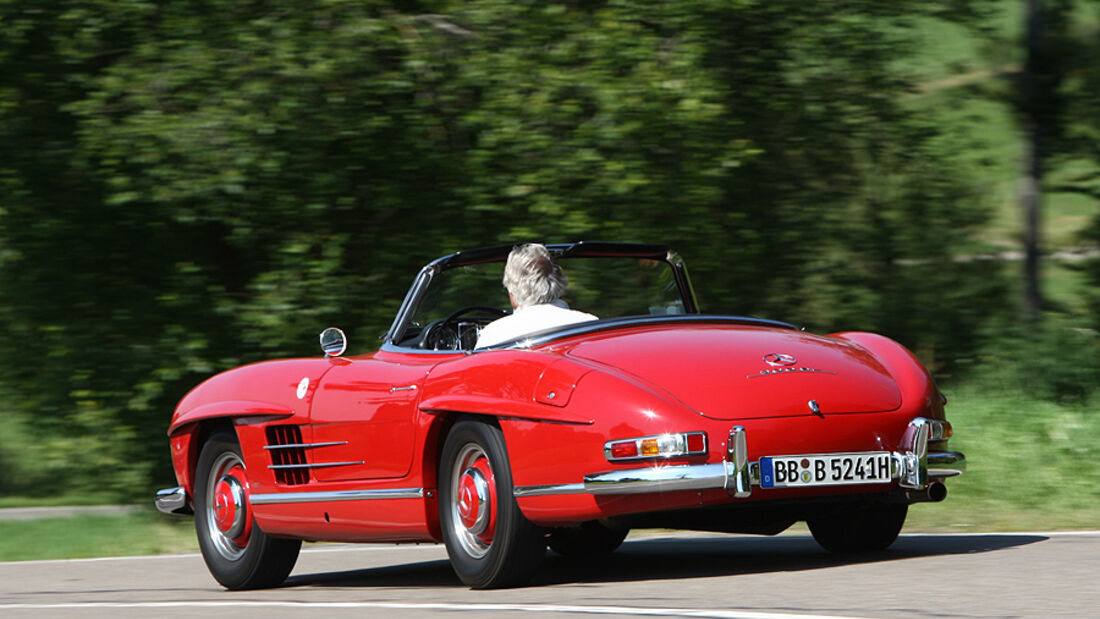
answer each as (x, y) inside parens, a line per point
(305, 445)
(341, 495)
(549, 489)
(315, 465)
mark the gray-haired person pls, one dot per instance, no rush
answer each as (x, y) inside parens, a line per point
(535, 286)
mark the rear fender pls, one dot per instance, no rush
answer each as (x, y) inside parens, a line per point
(508, 383)
(919, 394)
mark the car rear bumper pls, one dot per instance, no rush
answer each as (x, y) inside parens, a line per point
(913, 467)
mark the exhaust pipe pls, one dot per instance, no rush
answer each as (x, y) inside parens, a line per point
(937, 491)
(934, 493)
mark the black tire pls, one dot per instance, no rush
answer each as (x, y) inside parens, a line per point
(490, 542)
(238, 554)
(588, 538)
(865, 529)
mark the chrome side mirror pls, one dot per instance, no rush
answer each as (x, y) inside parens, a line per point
(333, 342)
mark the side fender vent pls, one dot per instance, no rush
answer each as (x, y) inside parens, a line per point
(288, 455)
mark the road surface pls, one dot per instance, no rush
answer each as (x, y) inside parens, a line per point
(681, 574)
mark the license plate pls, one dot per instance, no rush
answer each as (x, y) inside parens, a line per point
(825, 470)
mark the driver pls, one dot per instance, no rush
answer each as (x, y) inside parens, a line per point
(535, 286)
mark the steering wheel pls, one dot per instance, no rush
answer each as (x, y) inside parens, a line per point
(469, 309)
(443, 334)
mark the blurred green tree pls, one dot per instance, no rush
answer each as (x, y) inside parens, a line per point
(192, 185)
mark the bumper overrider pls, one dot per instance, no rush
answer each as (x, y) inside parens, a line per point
(173, 501)
(912, 467)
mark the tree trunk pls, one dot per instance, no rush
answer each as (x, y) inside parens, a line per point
(1031, 180)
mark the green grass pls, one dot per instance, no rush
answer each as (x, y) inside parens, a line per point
(1030, 465)
(64, 498)
(95, 536)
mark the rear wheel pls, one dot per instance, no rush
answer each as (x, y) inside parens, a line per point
(870, 527)
(588, 538)
(238, 554)
(490, 542)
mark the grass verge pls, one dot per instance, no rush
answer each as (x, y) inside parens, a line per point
(1029, 464)
(139, 533)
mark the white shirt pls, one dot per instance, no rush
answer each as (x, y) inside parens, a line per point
(528, 320)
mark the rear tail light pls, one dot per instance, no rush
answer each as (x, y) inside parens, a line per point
(658, 446)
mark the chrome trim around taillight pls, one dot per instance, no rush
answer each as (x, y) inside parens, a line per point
(607, 447)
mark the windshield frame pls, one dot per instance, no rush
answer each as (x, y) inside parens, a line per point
(499, 253)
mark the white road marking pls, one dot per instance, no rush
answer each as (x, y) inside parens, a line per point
(1004, 534)
(534, 608)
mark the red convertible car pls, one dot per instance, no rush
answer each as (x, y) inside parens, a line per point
(654, 415)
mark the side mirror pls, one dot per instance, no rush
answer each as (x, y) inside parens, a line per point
(333, 342)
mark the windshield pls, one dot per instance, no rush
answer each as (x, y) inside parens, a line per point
(608, 287)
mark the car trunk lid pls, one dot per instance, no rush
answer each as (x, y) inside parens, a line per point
(741, 372)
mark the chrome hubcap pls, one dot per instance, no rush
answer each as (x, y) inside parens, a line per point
(228, 521)
(229, 511)
(473, 501)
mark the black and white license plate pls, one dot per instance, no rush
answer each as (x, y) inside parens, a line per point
(825, 470)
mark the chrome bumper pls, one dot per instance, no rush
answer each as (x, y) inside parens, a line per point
(912, 468)
(173, 501)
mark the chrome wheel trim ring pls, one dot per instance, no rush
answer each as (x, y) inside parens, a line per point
(475, 540)
(223, 541)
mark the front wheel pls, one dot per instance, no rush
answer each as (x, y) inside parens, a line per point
(864, 529)
(238, 554)
(490, 542)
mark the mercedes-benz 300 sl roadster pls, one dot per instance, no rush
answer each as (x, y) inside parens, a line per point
(653, 415)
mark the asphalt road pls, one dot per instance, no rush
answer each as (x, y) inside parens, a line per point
(687, 575)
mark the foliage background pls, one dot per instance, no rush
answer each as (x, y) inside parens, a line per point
(188, 186)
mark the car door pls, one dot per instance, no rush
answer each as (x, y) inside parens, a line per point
(363, 417)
